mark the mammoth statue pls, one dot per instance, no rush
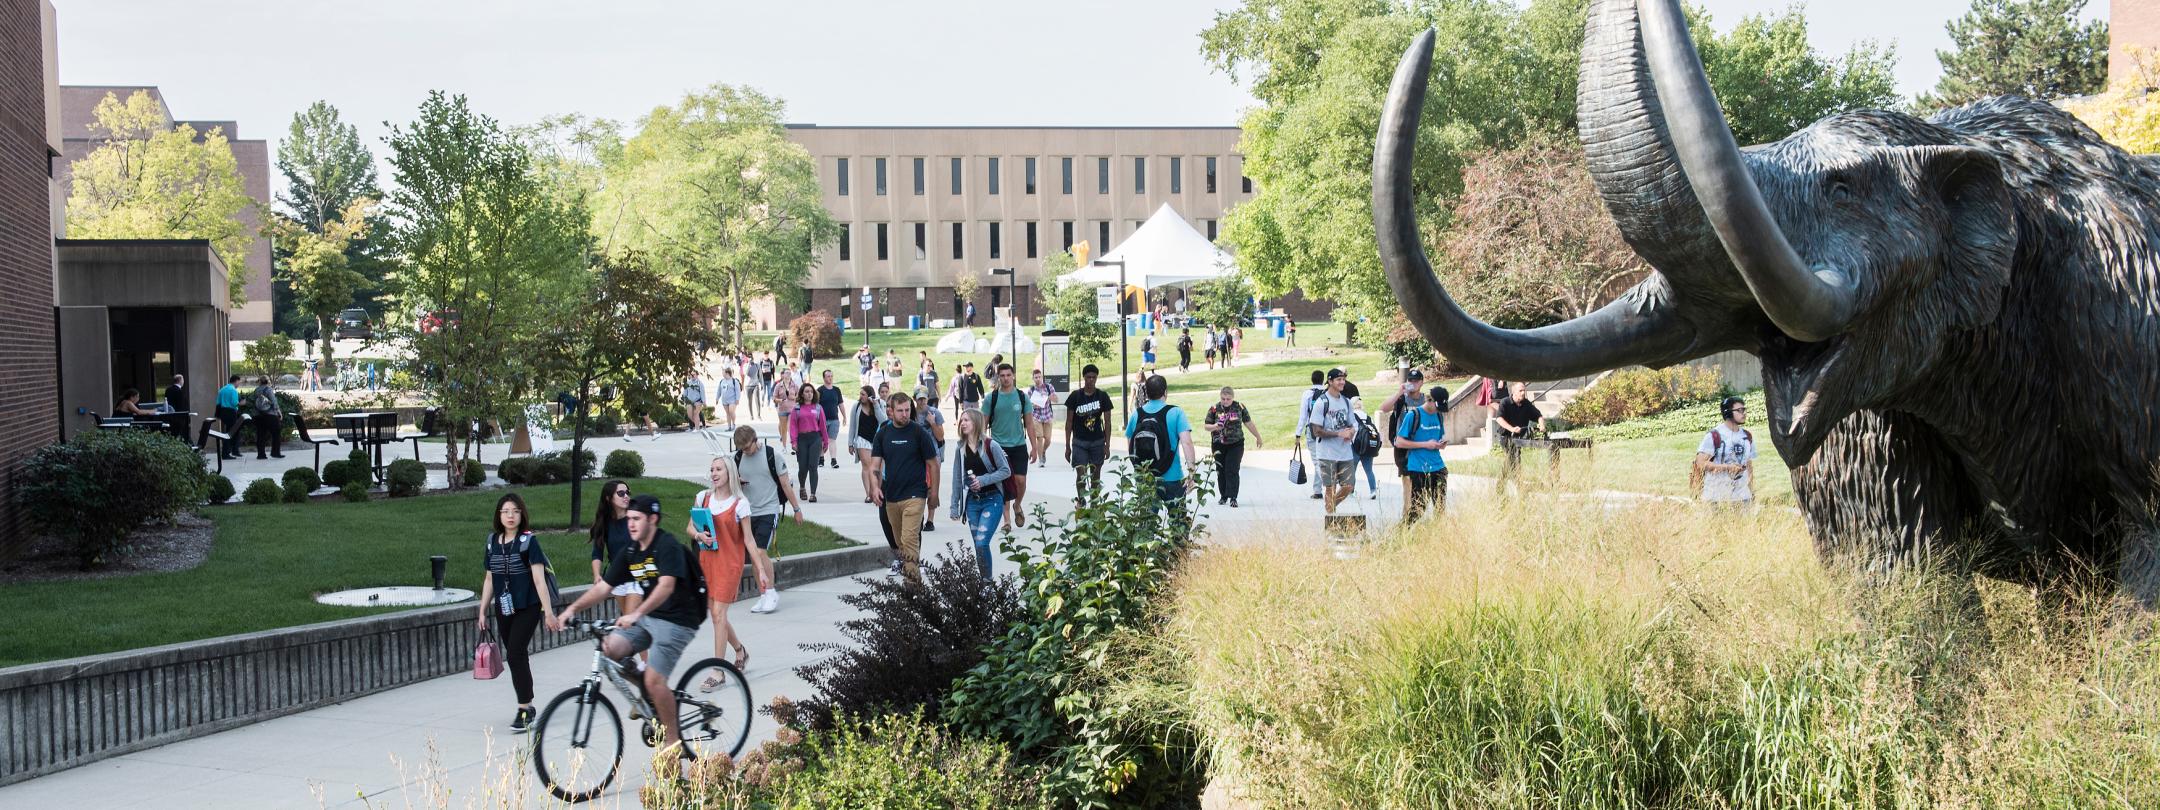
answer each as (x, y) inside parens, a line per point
(1958, 317)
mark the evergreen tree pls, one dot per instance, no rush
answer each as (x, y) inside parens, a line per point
(2033, 48)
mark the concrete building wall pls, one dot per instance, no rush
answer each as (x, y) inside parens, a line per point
(2131, 24)
(30, 396)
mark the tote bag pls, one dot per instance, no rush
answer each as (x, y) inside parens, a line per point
(1297, 461)
(487, 657)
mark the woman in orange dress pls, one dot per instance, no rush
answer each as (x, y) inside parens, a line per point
(721, 554)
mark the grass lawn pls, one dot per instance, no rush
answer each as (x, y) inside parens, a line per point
(270, 561)
(1652, 455)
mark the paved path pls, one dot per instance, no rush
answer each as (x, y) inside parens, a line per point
(441, 743)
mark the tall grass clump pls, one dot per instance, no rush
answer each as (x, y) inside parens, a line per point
(1555, 655)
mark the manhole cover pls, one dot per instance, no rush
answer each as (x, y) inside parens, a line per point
(399, 595)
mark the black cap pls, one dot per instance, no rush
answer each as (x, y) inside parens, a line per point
(1414, 375)
(1336, 374)
(645, 503)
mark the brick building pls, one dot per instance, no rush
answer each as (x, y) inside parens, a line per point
(29, 145)
(2131, 24)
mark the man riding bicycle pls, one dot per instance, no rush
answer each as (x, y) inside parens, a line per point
(664, 622)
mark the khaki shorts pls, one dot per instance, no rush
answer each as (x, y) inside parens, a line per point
(1335, 473)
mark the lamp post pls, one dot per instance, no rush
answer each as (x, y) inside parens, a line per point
(1012, 307)
(1124, 380)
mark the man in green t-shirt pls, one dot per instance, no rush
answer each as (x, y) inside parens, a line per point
(1010, 418)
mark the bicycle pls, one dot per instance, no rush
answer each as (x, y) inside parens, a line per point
(586, 742)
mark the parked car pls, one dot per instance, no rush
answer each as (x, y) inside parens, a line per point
(354, 324)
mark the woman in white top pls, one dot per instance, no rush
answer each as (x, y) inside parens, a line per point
(720, 556)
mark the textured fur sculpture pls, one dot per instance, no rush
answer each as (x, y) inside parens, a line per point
(1958, 317)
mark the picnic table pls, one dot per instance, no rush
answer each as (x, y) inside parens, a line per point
(368, 430)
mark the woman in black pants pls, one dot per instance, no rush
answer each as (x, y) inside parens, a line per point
(1227, 422)
(515, 594)
(808, 423)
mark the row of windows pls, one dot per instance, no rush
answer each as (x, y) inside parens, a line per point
(997, 239)
(1065, 176)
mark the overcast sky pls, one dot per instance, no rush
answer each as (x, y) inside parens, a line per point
(1097, 62)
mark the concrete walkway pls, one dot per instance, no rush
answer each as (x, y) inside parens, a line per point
(442, 743)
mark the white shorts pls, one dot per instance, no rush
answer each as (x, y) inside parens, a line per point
(630, 588)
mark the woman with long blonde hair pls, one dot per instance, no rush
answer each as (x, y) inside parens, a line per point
(721, 554)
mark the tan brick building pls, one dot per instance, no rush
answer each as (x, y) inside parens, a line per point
(2131, 24)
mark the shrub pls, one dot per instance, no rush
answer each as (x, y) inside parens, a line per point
(338, 473)
(262, 491)
(360, 458)
(297, 491)
(669, 418)
(624, 464)
(818, 328)
(305, 475)
(96, 489)
(475, 473)
(1639, 392)
(893, 761)
(554, 468)
(518, 469)
(354, 492)
(909, 643)
(406, 478)
(266, 354)
(221, 489)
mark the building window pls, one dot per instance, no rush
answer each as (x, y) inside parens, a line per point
(1068, 230)
(1030, 175)
(957, 241)
(1211, 230)
(1139, 175)
(881, 177)
(1066, 167)
(843, 177)
(882, 252)
(1102, 230)
(1177, 175)
(922, 241)
(845, 251)
(997, 250)
(1210, 175)
(1247, 181)
(1102, 175)
(918, 177)
(993, 176)
(1032, 252)
(956, 187)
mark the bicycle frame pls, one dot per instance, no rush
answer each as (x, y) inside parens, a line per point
(581, 728)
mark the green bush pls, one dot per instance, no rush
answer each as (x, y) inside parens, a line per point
(99, 487)
(518, 469)
(262, 491)
(354, 492)
(221, 489)
(1639, 392)
(406, 478)
(890, 761)
(910, 642)
(624, 464)
(340, 472)
(670, 418)
(554, 468)
(360, 458)
(308, 481)
(297, 491)
(820, 330)
(475, 473)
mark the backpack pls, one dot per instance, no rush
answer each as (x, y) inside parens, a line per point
(554, 592)
(264, 401)
(1151, 440)
(1717, 445)
(771, 467)
(1184, 343)
(1367, 441)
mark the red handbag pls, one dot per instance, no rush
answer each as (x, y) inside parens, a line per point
(487, 657)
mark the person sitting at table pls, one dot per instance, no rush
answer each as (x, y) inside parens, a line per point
(130, 405)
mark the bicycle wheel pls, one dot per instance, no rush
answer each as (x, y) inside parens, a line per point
(715, 720)
(576, 751)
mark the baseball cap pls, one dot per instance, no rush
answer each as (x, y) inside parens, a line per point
(1336, 374)
(645, 503)
(1414, 375)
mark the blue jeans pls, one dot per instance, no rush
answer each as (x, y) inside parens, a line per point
(983, 514)
(1371, 482)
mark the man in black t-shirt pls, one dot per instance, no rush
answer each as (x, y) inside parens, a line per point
(1087, 430)
(970, 387)
(904, 460)
(1519, 416)
(664, 621)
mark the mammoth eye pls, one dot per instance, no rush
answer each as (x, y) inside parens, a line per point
(1840, 191)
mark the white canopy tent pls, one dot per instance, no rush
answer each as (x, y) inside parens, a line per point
(1166, 251)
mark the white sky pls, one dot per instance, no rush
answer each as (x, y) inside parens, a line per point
(1097, 62)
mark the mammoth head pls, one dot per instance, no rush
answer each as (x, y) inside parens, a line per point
(1848, 256)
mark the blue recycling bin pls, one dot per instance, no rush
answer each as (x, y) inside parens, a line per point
(914, 323)
(1279, 331)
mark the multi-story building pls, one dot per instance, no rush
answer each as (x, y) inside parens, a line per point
(920, 207)
(78, 105)
(29, 146)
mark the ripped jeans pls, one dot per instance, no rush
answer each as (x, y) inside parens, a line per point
(983, 513)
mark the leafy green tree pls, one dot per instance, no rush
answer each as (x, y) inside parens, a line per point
(2033, 48)
(317, 268)
(1320, 69)
(713, 186)
(1074, 306)
(265, 353)
(150, 179)
(1224, 301)
(328, 171)
(489, 250)
(326, 167)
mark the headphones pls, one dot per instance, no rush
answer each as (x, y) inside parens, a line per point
(1726, 407)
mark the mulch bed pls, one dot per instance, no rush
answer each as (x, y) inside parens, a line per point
(179, 546)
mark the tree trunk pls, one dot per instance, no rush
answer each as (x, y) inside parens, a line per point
(734, 314)
(323, 333)
(450, 453)
(577, 446)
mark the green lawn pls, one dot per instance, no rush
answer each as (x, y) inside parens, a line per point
(270, 561)
(1652, 455)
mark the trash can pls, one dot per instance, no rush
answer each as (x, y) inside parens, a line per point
(914, 323)
(1278, 328)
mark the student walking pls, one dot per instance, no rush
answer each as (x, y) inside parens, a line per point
(1289, 331)
(1161, 440)
(1010, 417)
(1184, 347)
(609, 534)
(1330, 420)
(786, 399)
(693, 394)
(808, 427)
(1407, 398)
(1211, 347)
(1419, 435)
(515, 597)
(721, 553)
(830, 398)
(864, 422)
(1087, 431)
(1725, 460)
(729, 391)
(1042, 402)
(978, 494)
(765, 485)
(1226, 422)
(927, 412)
(904, 461)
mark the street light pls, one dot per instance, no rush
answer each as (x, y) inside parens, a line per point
(1012, 307)
(1124, 381)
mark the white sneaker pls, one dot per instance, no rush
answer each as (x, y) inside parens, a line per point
(767, 603)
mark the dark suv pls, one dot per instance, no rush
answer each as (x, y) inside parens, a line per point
(353, 324)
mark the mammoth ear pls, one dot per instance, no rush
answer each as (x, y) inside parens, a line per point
(1978, 229)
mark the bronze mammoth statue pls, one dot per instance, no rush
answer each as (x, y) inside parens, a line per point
(1958, 317)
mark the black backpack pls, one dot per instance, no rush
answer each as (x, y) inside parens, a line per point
(1151, 440)
(770, 467)
(1367, 442)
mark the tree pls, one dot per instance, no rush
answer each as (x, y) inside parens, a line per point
(1320, 69)
(713, 186)
(2033, 48)
(328, 174)
(1529, 242)
(150, 179)
(1224, 301)
(326, 167)
(630, 324)
(966, 285)
(1074, 306)
(317, 267)
(2127, 115)
(488, 252)
(265, 353)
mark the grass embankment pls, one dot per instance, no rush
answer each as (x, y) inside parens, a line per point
(270, 561)
(1652, 455)
(1661, 656)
